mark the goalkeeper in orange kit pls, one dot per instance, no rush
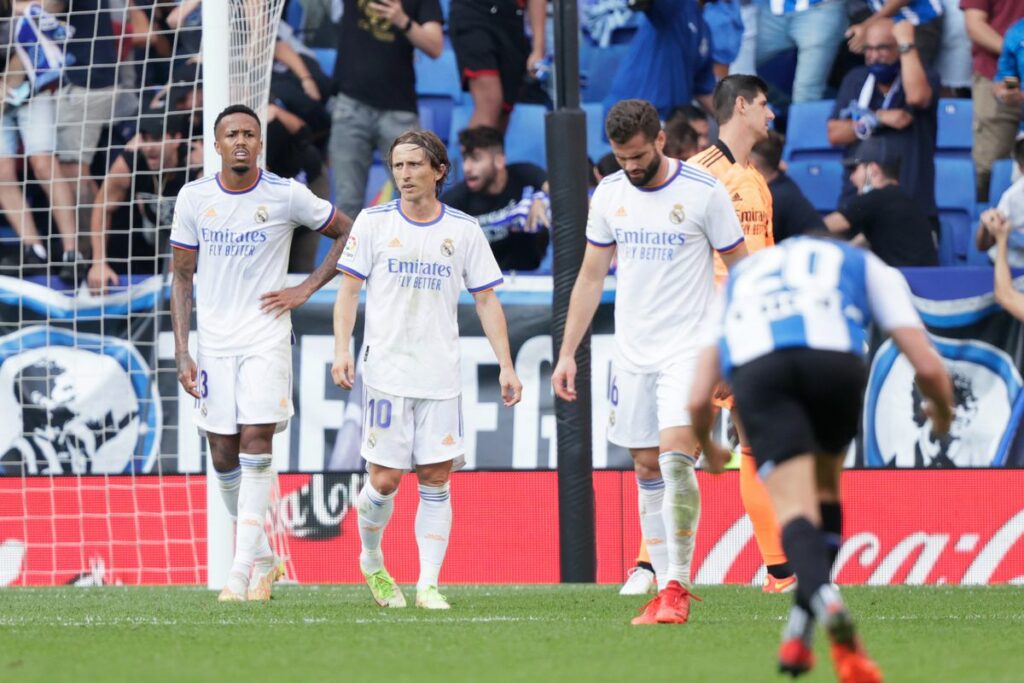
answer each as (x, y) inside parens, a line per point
(741, 109)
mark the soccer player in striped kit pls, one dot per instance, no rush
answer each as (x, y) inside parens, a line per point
(790, 339)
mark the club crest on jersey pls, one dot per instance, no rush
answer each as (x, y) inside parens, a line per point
(611, 418)
(203, 410)
(677, 215)
(262, 214)
(351, 246)
(448, 247)
(371, 440)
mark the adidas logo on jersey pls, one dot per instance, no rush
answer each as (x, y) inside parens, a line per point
(736, 197)
(449, 440)
(211, 213)
(395, 243)
(621, 211)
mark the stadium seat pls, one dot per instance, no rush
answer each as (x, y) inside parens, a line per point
(599, 64)
(597, 143)
(438, 77)
(955, 128)
(954, 196)
(807, 133)
(820, 181)
(1002, 178)
(327, 56)
(436, 115)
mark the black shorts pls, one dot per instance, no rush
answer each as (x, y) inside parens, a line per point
(490, 44)
(797, 401)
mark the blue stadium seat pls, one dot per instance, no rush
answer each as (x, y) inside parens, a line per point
(820, 181)
(436, 115)
(954, 196)
(597, 143)
(955, 133)
(326, 56)
(599, 64)
(438, 77)
(807, 133)
(1002, 178)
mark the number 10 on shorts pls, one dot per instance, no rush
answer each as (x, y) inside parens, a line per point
(379, 413)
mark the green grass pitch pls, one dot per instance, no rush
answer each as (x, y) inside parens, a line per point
(492, 633)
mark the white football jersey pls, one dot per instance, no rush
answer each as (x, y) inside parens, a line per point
(664, 238)
(414, 273)
(243, 239)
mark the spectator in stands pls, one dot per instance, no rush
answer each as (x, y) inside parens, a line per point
(152, 42)
(894, 96)
(815, 28)
(888, 219)
(996, 118)
(509, 200)
(186, 19)
(1010, 210)
(792, 213)
(681, 140)
(31, 123)
(697, 119)
(135, 203)
(86, 102)
(1002, 231)
(376, 84)
(605, 166)
(924, 15)
(726, 26)
(493, 53)
(300, 85)
(669, 59)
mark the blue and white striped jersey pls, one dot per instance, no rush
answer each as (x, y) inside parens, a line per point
(780, 7)
(917, 12)
(808, 293)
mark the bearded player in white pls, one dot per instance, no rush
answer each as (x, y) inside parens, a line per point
(238, 225)
(662, 218)
(415, 255)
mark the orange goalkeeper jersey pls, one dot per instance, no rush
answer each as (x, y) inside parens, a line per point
(750, 197)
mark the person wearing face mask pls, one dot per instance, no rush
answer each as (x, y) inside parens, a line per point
(882, 216)
(894, 96)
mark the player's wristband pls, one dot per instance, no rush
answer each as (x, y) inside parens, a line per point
(408, 26)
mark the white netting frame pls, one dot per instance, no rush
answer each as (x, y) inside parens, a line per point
(144, 526)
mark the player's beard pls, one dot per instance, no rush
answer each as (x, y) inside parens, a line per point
(241, 169)
(649, 173)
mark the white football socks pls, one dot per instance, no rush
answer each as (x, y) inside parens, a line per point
(652, 525)
(680, 512)
(229, 483)
(253, 499)
(433, 527)
(374, 512)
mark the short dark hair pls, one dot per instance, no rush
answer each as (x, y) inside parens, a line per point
(688, 113)
(607, 165)
(770, 149)
(236, 109)
(431, 145)
(1018, 152)
(890, 169)
(629, 117)
(729, 88)
(679, 136)
(480, 137)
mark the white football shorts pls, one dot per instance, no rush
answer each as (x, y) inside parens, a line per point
(401, 432)
(640, 405)
(240, 390)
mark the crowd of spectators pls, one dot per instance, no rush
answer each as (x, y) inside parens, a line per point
(102, 113)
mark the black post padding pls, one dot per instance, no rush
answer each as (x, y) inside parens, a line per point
(567, 177)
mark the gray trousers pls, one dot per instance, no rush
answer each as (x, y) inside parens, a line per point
(356, 130)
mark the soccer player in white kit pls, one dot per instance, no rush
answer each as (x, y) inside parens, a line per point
(415, 255)
(237, 225)
(663, 218)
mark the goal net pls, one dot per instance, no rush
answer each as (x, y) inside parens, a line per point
(103, 122)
